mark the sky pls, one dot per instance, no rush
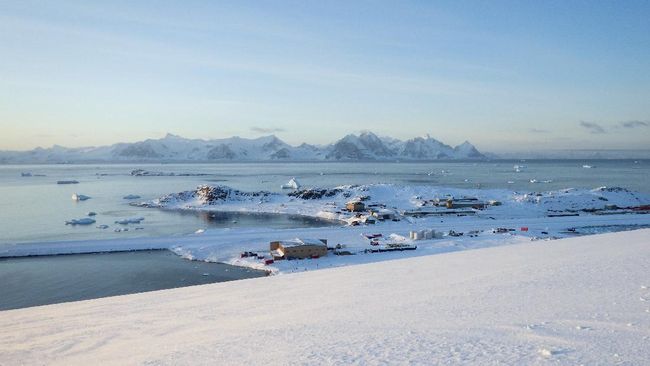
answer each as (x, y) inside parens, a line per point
(505, 75)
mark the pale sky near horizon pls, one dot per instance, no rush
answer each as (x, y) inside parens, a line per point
(505, 75)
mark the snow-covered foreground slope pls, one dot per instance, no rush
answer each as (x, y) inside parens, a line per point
(573, 301)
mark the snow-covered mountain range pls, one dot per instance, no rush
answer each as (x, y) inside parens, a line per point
(365, 146)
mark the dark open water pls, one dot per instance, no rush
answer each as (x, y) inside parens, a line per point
(33, 281)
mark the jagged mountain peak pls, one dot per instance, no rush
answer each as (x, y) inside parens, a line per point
(467, 150)
(365, 145)
(171, 136)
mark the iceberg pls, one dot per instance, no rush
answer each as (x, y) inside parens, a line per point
(79, 197)
(132, 220)
(84, 221)
(292, 184)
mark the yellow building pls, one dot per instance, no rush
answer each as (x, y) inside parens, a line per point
(355, 206)
(298, 248)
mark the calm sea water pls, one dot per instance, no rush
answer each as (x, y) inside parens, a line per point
(35, 208)
(34, 281)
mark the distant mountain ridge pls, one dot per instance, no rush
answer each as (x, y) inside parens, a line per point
(365, 146)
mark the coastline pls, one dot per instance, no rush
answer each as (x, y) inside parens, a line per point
(225, 245)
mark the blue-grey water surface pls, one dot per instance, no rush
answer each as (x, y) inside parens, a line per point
(35, 208)
(33, 281)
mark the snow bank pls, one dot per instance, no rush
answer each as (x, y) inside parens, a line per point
(572, 301)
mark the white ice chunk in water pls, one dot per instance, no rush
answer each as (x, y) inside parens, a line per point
(132, 220)
(291, 184)
(80, 197)
(84, 221)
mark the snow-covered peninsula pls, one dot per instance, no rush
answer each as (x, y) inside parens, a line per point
(375, 222)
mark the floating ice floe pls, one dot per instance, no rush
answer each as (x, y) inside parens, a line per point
(67, 182)
(80, 197)
(588, 166)
(146, 173)
(131, 197)
(199, 231)
(132, 220)
(84, 221)
(291, 184)
(540, 181)
(102, 227)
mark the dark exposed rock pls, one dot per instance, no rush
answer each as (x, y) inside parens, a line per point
(612, 189)
(315, 193)
(213, 194)
(206, 195)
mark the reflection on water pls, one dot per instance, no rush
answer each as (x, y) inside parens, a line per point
(245, 219)
(33, 281)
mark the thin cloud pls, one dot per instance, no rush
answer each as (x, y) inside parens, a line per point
(266, 130)
(634, 124)
(592, 127)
